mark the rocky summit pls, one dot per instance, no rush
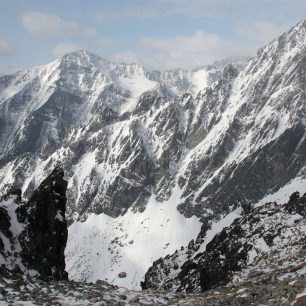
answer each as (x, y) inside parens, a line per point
(33, 234)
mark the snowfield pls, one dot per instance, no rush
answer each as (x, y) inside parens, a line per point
(102, 247)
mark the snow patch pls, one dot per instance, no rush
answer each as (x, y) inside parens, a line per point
(217, 227)
(59, 216)
(282, 195)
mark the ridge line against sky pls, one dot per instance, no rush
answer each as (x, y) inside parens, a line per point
(160, 34)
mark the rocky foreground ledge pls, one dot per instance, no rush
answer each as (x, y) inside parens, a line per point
(20, 290)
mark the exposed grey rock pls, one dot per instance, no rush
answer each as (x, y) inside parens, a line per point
(122, 275)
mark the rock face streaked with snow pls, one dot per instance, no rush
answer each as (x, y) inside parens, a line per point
(123, 134)
(265, 239)
(128, 138)
(33, 234)
(112, 127)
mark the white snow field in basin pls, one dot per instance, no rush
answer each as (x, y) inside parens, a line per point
(102, 247)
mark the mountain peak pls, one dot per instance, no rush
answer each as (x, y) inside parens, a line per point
(297, 34)
(83, 58)
(300, 25)
(285, 47)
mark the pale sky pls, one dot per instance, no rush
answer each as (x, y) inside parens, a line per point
(160, 34)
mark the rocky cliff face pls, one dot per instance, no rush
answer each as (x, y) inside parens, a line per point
(265, 239)
(33, 234)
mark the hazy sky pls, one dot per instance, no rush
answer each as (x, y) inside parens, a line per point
(159, 34)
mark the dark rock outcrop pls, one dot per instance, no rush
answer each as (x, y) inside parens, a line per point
(243, 249)
(38, 233)
(4, 225)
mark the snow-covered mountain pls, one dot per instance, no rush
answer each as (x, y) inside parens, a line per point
(108, 124)
(49, 112)
(148, 155)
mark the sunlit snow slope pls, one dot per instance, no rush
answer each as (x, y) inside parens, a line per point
(103, 247)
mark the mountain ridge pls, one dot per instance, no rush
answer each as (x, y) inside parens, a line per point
(134, 144)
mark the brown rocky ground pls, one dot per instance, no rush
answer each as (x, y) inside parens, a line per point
(20, 290)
